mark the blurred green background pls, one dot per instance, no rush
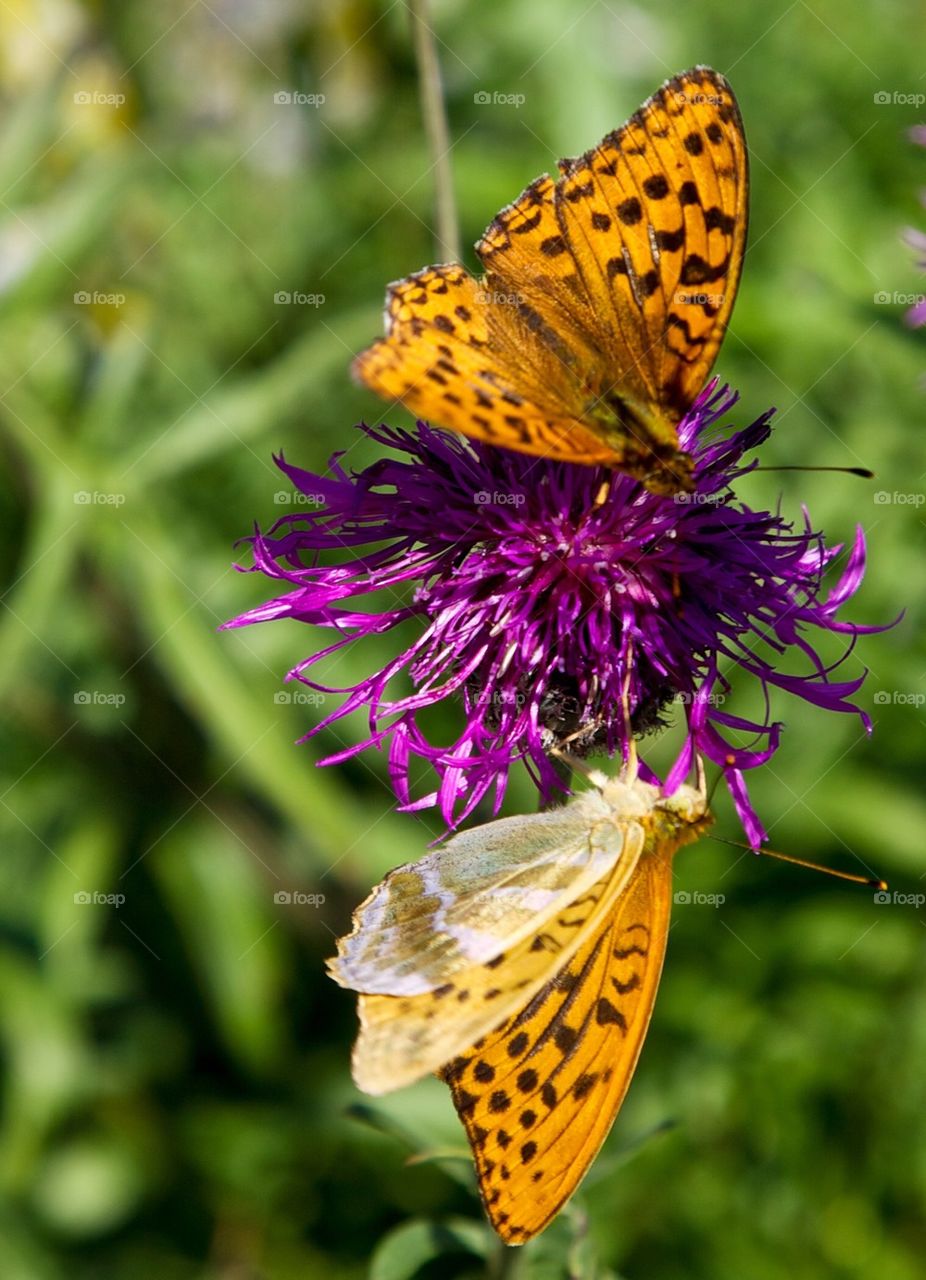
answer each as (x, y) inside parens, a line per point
(176, 1092)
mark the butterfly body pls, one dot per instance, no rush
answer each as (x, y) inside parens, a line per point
(521, 960)
(604, 298)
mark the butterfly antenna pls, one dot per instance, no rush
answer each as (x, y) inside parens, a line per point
(572, 764)
(870, 881)
(863, 472)
(714, 784)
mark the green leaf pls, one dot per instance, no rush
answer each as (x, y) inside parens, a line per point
(455, 1162)
(223, 905)
(43, 571)
(197, 662)
(403, 1252)
(243, 409)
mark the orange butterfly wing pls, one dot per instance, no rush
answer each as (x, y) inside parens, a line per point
(604, 302)
(438, 359)
(538, 1096)
(682, 166)
(403, 1037)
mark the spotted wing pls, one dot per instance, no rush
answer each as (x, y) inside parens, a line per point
(475, 897)
(538, 1095)
(655, 219)
(462, 358)
(403, 1038)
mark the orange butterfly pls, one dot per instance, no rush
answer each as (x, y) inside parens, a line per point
(604, 301)
(521, 961)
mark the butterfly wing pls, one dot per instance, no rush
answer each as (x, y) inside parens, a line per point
(439, 360)
(538, 1095)
(476, 896)
(656, 218)
(604, 302)
(403, 1038)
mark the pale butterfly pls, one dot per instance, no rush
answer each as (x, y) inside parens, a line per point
(521, 959)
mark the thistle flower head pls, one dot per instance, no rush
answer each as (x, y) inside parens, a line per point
(545, 597)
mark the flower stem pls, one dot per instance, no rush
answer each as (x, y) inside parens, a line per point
(447, 230)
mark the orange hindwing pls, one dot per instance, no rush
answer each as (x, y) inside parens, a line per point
(540, 1093)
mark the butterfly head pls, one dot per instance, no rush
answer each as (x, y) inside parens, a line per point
(687, 806)
(679, 819)
(675, 820)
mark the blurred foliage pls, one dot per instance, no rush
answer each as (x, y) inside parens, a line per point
(176, 1094)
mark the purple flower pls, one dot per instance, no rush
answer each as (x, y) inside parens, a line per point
(539, 591)
(917, 240)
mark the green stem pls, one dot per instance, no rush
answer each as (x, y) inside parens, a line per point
(447, 231)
